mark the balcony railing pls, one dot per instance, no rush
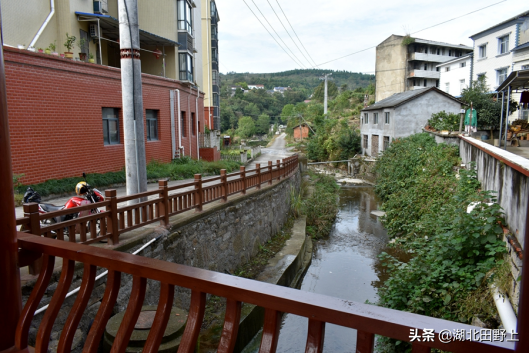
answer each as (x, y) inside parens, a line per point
(319, 310)
(425, 74)
(163, 203)
(430, 57)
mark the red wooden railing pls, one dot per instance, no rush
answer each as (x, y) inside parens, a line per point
(164, 203)
(368, 320)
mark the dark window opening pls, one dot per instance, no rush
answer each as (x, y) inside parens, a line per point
(183, 124)
(111, 126)
(151, 120)
(193, 124)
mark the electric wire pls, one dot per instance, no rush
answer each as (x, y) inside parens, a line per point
(421, 30)
(314, 63)
(297, 64)
(278, 34)
(278, 17)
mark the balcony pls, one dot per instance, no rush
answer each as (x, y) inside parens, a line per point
(425, 74)
(430, 57)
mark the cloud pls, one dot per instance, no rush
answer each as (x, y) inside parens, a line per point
(334, 28)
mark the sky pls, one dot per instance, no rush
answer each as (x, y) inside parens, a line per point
(330, 29)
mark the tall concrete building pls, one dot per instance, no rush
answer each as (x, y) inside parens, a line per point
(169, 30)
(405, 63)
(210, 53)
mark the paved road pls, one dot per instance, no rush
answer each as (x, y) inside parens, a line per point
(276, 151)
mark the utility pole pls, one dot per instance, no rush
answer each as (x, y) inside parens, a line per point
(325, 78)
(131, 86)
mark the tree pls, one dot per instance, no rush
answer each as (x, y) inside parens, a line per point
(246, 128)
(263, 124)
(287, 111)
(318, 94)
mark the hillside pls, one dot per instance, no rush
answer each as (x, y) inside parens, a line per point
(302, 80)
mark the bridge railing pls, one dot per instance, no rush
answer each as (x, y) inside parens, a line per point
(150, 207)
(368, 320)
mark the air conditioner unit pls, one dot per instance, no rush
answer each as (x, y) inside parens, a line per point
(94, 31)
(101, 7)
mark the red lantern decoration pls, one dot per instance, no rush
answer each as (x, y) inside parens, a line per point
(157, 53)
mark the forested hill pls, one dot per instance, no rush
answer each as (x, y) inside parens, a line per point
(302, 80)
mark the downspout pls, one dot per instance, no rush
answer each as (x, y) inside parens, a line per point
(209, 40)
(181, 148)
(189, 125)
(505, 310)
(46, 21)
(172, 111)
(197, 121)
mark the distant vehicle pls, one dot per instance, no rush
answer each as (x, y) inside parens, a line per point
(277, 132)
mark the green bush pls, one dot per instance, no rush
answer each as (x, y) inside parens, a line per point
(322, 206)
(444, 121)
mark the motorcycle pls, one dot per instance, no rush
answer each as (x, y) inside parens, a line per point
(86, 195)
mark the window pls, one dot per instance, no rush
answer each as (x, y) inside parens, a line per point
(193, 124)
(437, 83)
(424, 83)
(365, 141)
(448, 68)
(447, 87)
(437, 69)
(151, 123)
(425, 66)
(215, 78)
(111, 126)
(376, 118)
(387, 118)
(462, 85)
(503, 44)
(481, 76)
(386, 142)
(183, 124)
(366, 118)
(524, 67)
(185, 67)
(213, 10)
(463, 64)
(216, 99)
(214, 54)
(184, 16)
(482, 51)
(501, 75)
(214, 32)
(450, 52)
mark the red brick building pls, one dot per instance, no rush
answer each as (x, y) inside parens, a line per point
(301, 132)
(58, 108)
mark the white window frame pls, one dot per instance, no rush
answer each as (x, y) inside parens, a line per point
(503, 72)
(387, 118)
(447, 87)
(376, 118)
(504, 44)
(483, 51)
(365, 118)
(462, 85)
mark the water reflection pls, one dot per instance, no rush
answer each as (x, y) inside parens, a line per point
(345, 265)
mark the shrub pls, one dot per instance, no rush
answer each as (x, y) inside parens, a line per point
(444, 121)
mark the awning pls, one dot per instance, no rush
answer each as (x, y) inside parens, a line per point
(517, 80)
(110, 27)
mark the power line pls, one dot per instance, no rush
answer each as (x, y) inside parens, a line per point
(421, 30)
(289, 34)
(278, 34)
(314, 63)
(297, 64)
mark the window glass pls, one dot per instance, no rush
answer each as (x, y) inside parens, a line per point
(185, 67)
(375, 118)
(387, 118)
(482, 51)
(501, 75)
(193, 124)
(151, 117)
(184, 16)
(503, 44)
(183, 124)
(111, 131)
(366, 118)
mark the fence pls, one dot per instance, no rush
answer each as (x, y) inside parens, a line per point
(368, 320)
(164, 203)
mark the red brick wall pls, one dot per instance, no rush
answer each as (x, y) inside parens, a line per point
(55, 116)
(210, 154)
(296, 132)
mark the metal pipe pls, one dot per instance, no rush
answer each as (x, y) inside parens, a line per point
(505, 310)
(99, 39)
(141, 49)
(172, 114)
(197, 121)
(502, 111)
(179, 123)
(189, 123)
(101, 275)
(164, 61)
(43, 26)
(506, 121)
(209, 63)
(10, 295)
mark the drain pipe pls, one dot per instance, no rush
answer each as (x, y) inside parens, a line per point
(172, 114)
(46, 21)
(508, 318)
(197, 121)
(181, 148)
(103, 274)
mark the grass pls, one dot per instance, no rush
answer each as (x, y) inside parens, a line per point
(184, 168)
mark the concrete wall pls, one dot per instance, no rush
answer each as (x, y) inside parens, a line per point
(219, 239)
(455, 75)
(511, 186)
(390, 64)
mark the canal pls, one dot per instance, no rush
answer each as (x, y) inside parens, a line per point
(344, 265)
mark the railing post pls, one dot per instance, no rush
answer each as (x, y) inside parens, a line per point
(198, 193)
(224, 185)
(31, 210)
(243, 179)
(163, 208)
(258, 171)
(270, 172)
(110, 195)
(278, 169)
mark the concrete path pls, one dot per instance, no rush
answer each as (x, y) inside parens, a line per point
(273, 153)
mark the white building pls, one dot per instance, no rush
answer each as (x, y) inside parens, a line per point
(520, 57)
(256, 87)
(455, 74)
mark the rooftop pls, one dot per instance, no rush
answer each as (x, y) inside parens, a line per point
(442, 44)
(524, 14)
(522, 46)
(404, 97)
(463, 57)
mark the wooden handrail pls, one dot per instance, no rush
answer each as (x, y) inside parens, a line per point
(166, 203)
(319, 309)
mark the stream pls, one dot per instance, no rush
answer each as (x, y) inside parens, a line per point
(344, 265)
